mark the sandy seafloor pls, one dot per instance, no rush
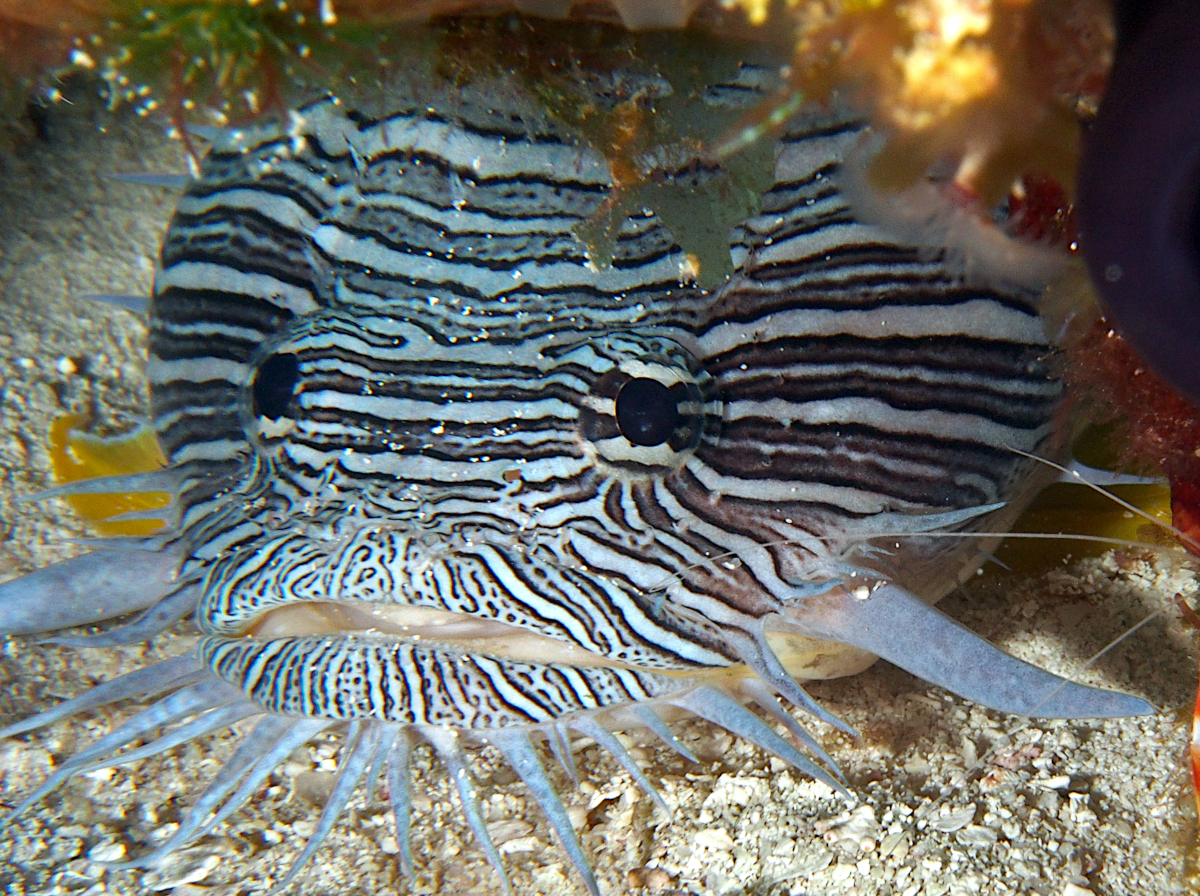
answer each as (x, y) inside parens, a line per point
(950, 798)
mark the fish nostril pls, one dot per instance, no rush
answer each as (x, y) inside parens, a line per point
(274, 385)
(647, 412)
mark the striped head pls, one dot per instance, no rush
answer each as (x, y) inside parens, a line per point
(468, 442)
(443, 419)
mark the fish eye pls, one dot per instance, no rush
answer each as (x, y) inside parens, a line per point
(650, 409)
(274, 385)
(647, 412)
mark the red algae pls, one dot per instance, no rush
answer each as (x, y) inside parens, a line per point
(1155, 428)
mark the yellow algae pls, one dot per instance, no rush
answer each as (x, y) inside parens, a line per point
(1006, 82)
(936, 83)
(78, 455)
(756, 11)
(1068, 509)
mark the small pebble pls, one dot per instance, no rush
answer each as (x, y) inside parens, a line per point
(954, 819)
(106, 852)
(715, 838)
(653, 879)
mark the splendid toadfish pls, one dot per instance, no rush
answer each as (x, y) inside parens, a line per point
(474, 437)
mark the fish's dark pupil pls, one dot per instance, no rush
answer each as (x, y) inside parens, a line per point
(275, 385)
(647, 412)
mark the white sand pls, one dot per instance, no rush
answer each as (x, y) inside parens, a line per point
(951, 798)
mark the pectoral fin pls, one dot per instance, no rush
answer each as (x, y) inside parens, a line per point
(904, 630)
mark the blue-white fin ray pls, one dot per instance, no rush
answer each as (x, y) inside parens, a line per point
(716, 706)
(918, 523)
(606, 739)
(164, 480)
(166, 181)
(762, 696)
(387, 737)
(176, 672)
(756, 653)
(358, 753)
(259, 754)
(902, 629)
(522, 755)
(148, 543)
(215, 719)
(136, 304)
(560, 745)
(208, 693)
(399, 769)
(86, 589)
(158, 514)
(204, 695)
(645, 715)
(446, 744)
(1077, 473)
(155, 620)
(260, 741)
(301, 732)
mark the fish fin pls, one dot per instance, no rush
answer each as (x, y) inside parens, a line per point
(716, 706)
(93, 587)
(136, 304)
(902, 629)
(589, 726)
(149, 623)
(446, 744)
(358, 754)
(522, 755)
(399, 772)
(168, 181)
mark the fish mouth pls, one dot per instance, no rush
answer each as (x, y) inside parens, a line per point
(805, 658)
(299, 591)
(433, 627)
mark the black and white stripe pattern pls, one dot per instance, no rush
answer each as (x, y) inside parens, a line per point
(415, 685)
(445, 434)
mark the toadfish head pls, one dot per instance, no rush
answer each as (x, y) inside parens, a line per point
(477, 437)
